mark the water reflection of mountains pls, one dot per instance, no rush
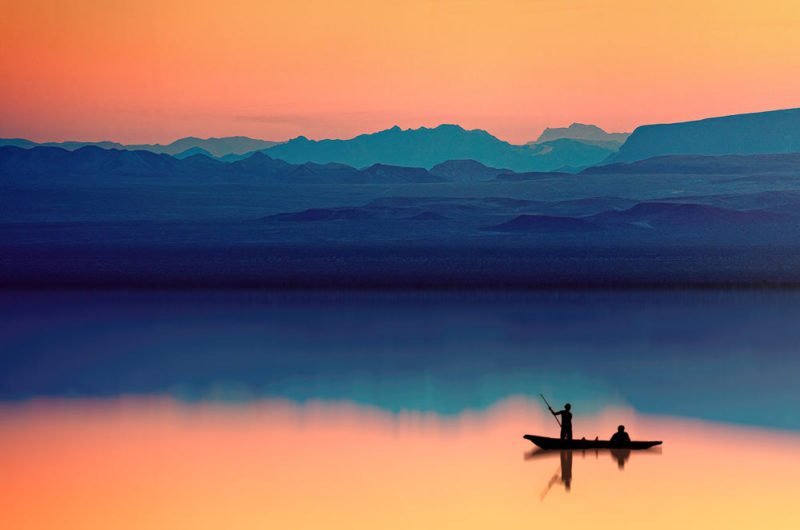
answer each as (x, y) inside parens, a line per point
(563, 474)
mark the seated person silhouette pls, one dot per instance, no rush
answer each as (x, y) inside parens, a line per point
(620, 437)
(566, 421)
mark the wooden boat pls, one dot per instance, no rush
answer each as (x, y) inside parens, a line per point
(556, 443)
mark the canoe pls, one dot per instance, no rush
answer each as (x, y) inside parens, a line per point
(556, 443)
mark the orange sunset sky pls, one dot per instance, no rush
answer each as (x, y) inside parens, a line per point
(155, 70)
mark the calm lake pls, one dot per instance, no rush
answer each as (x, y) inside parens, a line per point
(396, 410)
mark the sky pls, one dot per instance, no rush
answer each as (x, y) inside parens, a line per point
(139, 71)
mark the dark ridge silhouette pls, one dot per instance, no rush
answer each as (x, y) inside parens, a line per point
(786, 202)
(590, 205)
(313, 167)
(400, 202)
(703, 165)
(508, 202)
(310, 173)
(217, 147)
(699, 216)
(532, 175)
(326, 214)
(20, 161)
(775, 131)
(93, 163)
(544, 223)
(427, 216)
(612, 215)
(451, 206)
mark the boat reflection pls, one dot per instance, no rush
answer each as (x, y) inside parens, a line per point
(563, 474)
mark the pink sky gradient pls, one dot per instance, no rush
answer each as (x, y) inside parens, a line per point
(153, 71)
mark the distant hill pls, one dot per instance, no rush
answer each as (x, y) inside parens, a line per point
(383, 173)
(531, 175)
(649, 216)
(467, 171)
(428, 147)
(17, 142)
(235, 145)
(87, 163)
(261, 164)
(759, 133)
(69, 145)
(192, 152)
(567, 155)
(693, 216)
(580, 131)
(218, 147)
(544, 223)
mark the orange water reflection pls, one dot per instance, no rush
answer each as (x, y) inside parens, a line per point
(563, 474)
(160, 464)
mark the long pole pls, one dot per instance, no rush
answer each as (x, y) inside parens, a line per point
(550, 409)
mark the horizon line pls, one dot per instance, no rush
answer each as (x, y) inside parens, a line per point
(420, 127)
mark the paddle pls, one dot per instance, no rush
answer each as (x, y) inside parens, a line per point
(556, 478)
(551, 409)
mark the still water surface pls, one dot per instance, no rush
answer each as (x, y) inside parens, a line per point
(397, 410)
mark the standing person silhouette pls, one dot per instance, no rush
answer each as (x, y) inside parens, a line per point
(566, 421)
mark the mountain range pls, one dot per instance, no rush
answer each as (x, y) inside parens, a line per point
(427, 147)
(570, 149)
(423, 147)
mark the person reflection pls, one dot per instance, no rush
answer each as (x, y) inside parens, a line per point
(566, 469)
(565, 477)
(621, 456)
